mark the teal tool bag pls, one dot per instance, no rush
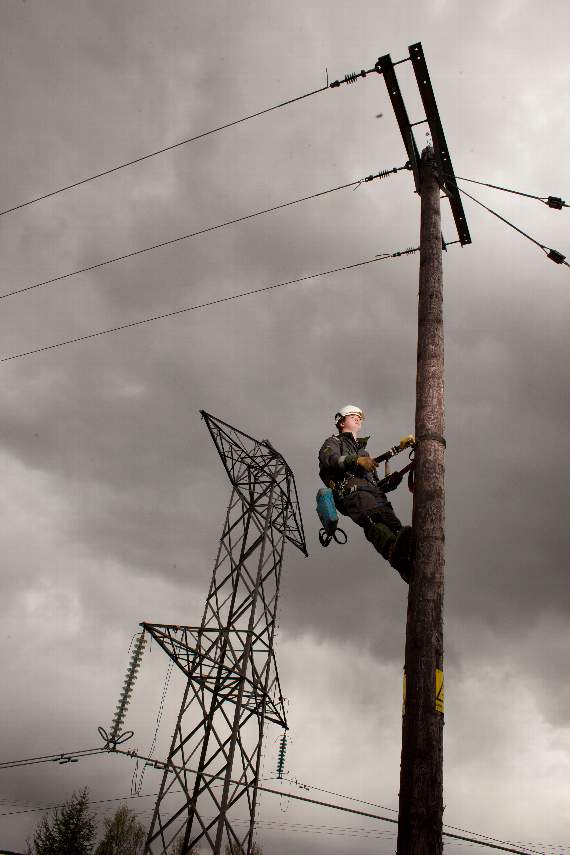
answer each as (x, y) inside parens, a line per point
(328, 515)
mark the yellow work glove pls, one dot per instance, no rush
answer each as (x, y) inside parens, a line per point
(407, 441)
(367, 463)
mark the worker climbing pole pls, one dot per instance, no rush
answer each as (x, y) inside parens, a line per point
(355, 490)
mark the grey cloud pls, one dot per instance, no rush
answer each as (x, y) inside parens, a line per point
(106, 434)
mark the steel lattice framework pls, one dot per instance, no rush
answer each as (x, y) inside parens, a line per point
(232, 681)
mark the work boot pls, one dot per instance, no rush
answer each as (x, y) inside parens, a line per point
(401, 551)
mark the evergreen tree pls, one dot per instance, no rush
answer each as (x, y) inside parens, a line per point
(177, 850)
(124, 834)
(68, 830)
(234, 849)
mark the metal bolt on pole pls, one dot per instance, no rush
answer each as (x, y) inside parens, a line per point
(421, 773)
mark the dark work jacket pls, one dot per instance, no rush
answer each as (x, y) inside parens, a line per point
(337, 464)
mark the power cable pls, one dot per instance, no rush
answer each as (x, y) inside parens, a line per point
(64, 757)
(489, 842)
(198, 306)
(162, 150)
(551, 201)
(348, 78)
(136, 785)
(389, 819)
(383, 174)
(339, 795)
(46, 808)
(394, 810)
(553, 254)
(490, 845)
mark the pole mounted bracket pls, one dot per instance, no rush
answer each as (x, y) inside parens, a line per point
(441, 151)
(446, 175)
(386, 66)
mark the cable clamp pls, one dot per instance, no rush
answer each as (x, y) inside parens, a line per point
(436, 437)
(556, 202)
(556, 256)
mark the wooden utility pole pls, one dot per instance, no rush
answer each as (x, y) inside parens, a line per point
(421, 773)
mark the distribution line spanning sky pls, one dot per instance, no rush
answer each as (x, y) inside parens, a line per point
(112, 497)
(485, 841)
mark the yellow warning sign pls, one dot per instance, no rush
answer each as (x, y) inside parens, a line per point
(439, 692)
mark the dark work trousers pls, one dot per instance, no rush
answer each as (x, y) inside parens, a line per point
(363, 504)
(372, 511)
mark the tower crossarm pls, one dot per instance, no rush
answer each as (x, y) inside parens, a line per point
(196, 652)
(248, 464)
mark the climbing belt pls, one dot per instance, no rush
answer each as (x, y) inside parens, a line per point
(396, 476)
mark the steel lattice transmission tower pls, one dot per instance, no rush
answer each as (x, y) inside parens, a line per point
(232, 686)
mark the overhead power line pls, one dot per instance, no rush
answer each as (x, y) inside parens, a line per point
(488, 842)
(485, 843)
(449, 834)
(305, 786)
(46, 808)
(382, 174)
(349, 78)
(551, 201)
(551, 253)
(163, 150)
(64, 757)
(202, 306)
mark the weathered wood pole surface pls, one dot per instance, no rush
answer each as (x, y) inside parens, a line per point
(421, 773)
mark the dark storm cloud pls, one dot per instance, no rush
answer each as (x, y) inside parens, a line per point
(109, 464)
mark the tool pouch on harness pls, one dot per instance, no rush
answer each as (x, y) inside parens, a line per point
(328, 516)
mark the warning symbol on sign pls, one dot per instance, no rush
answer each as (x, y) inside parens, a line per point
(438, 690)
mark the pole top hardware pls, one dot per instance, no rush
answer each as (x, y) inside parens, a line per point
(386, 67)
(555, 202)
(442, 158)
(441, 151)
(556, 256)
(353, 76)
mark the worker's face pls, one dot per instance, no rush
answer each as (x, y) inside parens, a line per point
(352, 423)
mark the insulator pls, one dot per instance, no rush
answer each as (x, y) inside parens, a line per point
(351, 78)
(128, 684)
(281, 756)
(409, 251)
(383, 174)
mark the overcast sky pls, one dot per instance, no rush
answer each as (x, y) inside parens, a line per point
(112, 495)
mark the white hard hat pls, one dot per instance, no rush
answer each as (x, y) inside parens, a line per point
(348, 410)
